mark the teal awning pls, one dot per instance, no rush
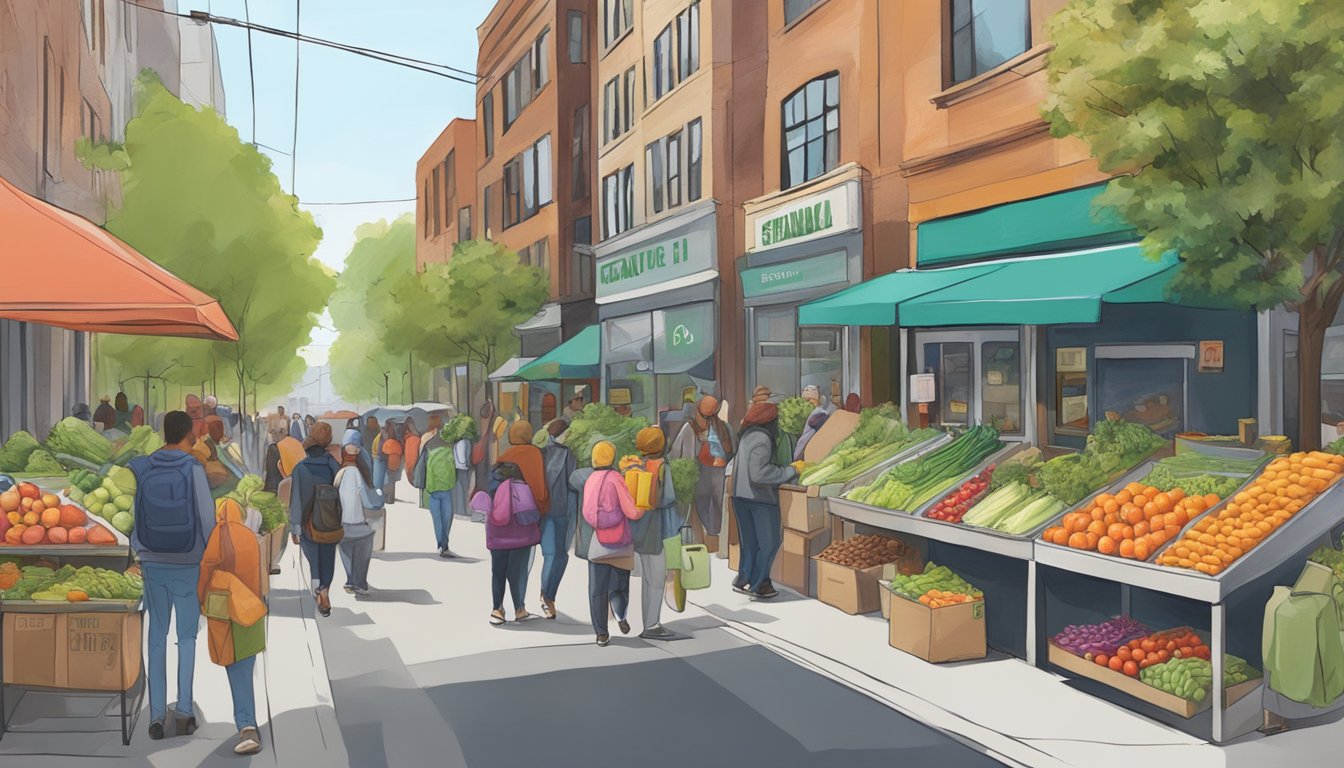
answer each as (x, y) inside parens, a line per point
(874, 302)
(578, 358)
(1046, 290)
(1060, 222)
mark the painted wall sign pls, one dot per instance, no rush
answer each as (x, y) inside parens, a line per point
(825, 213)
(654, 265)
(796, 275)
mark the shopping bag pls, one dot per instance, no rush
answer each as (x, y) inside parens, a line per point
(248, 641)
(674, 595)
(672, 546)
(694, 567)
(216, 606)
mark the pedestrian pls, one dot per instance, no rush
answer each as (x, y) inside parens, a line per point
(371, 432)
(608, 509)
(574, 408)
(81, 411)
(105, 416)
(123, 422)
(660, 521)
(206, 451)
(271, 462)
(410, 447)
(317, 469)
(358, 498)
(392, 454)
(557, 525)
(444, 470)
(308, 423)
(709, 440)
(231, 566)
(169, 538)
(756, 481)
(483, 453)
(511, 542)
(296, 428)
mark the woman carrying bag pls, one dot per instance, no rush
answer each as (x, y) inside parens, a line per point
(358, 499)
(228, 589)
(608, 509)
(519, 498)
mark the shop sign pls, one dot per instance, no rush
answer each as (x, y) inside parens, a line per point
(813, 272)
(683, 337)
(825, 213)
(654, 265)
(1211, 357)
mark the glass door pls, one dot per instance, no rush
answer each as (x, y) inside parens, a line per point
(978, 377)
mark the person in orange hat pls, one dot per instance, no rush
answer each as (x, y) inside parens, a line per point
(659, 521)
(708, 439)
(756, 481)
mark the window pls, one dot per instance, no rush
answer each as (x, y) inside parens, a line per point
(688, 41)
(488, 123)
(662, 63)
(88, 122)
(526, 78)
(579, 155)
(611, 109)
(673, 166)
(694, 153)
(618, 201)
(663, 164)
(428, 204)
(464, 223)
(628, 115)
(1001, 385)
(527, 182)
(487, 223)
(985, 33)
(576, 51)
(438, 202)
(617, 18)
(541, 254)
(794, 8)
(449, 187)
(1071, 389)
(653, 168)
(53, 109)
(541, 61)
(811, 135)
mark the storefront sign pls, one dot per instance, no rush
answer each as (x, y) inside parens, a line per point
(655, 265)
(1210, 357)
(825, 213)
(795, 275)
(683, 337)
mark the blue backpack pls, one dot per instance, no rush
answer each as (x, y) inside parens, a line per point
(166, 518)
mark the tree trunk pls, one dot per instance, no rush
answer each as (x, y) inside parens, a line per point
(1312, 323)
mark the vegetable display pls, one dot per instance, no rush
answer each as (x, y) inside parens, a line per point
(1192, 678)
(935, 587)
(112, 498)
(16, 451)
(909, 485)
(1018, 468)
(1088, 640)
(864, 552)
(956, 504)
(77, 438)
(1015, 509)
(142, 441)
(600, 422)
(1118, 444)
(249, 494)
(1071, 477)
(1141, 653)
(35, 519)
(793, 414)
(1286, 486)
(67, 584)
(879, 436)
(42, 463)
(1200, 475)
(1132, 523)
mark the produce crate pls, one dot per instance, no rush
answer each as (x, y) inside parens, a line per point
(1144, 692)
(801, 512)
(72, 646)
(936, 635)
(797, 570)
(851, 590)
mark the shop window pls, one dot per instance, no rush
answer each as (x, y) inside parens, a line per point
(576, 51)
(984, 34)
(618, 201)
(617, 18)
(629, 356)
(694, 160)
(1001, 385)
(656, 360)
(1071, 389)
(1143, 390)
(811, 130)
(821, 357)
(488, 123)
(777, 348)
(464, 223)
(795, 8)
(951, 364)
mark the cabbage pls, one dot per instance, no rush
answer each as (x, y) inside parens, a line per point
(42, 463)
(14, 455)
(76, 438)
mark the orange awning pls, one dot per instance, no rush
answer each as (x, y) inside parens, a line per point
(60, 269)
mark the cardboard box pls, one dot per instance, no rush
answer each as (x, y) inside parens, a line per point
(801, 512)
(102, 650)
(1141, 690)
(30, 649)
(849, 589)
(278, 539)
(884, 596)
(797, 570)
(950, 633)
(841, 528)
(839, 426)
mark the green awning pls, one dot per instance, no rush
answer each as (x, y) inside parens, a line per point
(578, 358)
(1046, 290)
(874, 302)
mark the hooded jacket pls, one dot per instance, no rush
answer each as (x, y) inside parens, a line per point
(200, 491)
(231, 564)
(755, 475)
(560, 464)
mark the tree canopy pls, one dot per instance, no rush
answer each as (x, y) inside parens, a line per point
(1222, 119)
(207, 206)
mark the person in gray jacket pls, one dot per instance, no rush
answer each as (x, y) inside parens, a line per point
(649, 531)
(558, 524)
(756, 480)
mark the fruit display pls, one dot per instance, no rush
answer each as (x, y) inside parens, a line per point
(1141, 653)
(909, 485)
(68, 584)
(956, 504)
(1192, 678)
(863, 552)
(1015, 509)
(112, 498)
(935, 587)
(1287, 485)
(879, 436)
(74, 437)
(1091, 640)
(32, 518)
(1132, 523)
(16, 451)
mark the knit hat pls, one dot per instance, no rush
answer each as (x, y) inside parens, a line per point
(759, 414)
(604, 455)
(708, 406)
(650, 441)
(761, 394)
(520, 433)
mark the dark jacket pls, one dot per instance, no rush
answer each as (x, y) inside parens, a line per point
(271, 468)
(756, 476)
(319, 467)
(583, 532)
(560, 464)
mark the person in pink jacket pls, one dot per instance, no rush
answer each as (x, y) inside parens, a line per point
(608, 508)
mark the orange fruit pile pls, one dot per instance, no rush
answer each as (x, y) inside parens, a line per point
(1132, 523)
(1286, 486)
(937, 598)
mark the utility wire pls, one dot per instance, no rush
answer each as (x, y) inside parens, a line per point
(361, 202)
(251, 75)
(383, 56)
(294, 151)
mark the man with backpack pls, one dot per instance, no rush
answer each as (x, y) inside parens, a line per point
(315, 516)
(174, 520)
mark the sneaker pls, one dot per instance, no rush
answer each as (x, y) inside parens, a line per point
(349, 589)
(625, 626)
(185, 726)
(497, 617)
(249, 742)
(156, 730)
(765, 592)
(657, 632)
(446, 553)
(360, 592)
(603, 641)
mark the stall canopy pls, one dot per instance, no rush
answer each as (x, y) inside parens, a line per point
(874, 302)
(578, 358)
(64, 271)
(510, 368)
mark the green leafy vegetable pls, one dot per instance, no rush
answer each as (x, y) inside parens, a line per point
(14, 455)
(793, 414)
(41, 462)
(1070, 478)
(685, 475)
(77, 438)
(600, 422)
(460, 427)
(142, 441)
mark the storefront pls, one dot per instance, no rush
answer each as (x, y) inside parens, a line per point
(657, 297)
(800, 249)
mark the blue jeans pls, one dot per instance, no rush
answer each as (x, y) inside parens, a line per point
(441, 513)
(171, 589)
(244, 698)
(509, 567)
(759, 534)
(608, 588)
(321, 560)
(379, 473)
(554, 553)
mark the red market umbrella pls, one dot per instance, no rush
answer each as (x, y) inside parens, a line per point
(62, 270)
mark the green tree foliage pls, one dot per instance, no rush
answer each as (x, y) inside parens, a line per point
(380, 264)
(1224, 118)
(207, 207)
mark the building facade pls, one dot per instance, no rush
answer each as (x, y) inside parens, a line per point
(679, 86)
(833, 208)
(445, 181)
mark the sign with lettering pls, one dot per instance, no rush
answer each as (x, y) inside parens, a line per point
(683, 337)
(654, 265)
(825, 213)
(813, 272)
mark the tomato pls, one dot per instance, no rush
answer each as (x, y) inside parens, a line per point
(1102, 659)
(1148, 646)
(1123, 653)
(1131, 669)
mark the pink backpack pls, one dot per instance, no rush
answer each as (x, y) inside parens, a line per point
(514, 504)
(609, 522)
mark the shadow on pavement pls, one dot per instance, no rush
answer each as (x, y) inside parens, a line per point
(408, 596)
(741, 614)
(398, 557)
(551, 627)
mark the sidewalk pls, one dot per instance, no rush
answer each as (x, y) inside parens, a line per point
(294, 705)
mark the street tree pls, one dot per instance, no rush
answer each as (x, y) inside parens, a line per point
(1222, 121)
(207, 206)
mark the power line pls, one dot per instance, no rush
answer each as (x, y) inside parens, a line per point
(294, 151)
(251, 75)
(372, 53)
(361, 202)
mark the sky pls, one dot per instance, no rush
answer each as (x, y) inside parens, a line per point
(362, 124)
